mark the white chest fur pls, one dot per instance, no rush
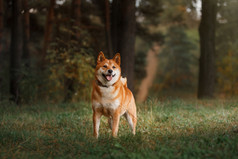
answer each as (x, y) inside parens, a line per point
(107, 100)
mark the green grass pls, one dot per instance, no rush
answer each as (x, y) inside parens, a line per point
(168, 129)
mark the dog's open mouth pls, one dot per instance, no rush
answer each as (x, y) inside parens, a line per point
(108, 77)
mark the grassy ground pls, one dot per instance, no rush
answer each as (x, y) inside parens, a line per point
(169, 129)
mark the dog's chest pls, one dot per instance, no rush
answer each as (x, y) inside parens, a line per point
(108, 98)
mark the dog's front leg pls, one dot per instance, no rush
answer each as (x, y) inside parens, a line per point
(96, 123)
(115, 124)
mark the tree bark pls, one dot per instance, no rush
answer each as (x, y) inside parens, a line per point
(26, 33)
(1, 37)
(116, 23)
(123, 35)
(48, 28)
(206, 84)
(16, 49)
(1, 27)
(105, 7)
(108, 28)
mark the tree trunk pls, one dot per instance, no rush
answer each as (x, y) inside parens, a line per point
(16, 49)
(105, 6)
(206, 82)
(76, 21)
(26, 33)
(76, 17)
(108, 28)
(1, 37)
(116, 23)
(123, 35)
(48, 28)
(1, 27)
(127, 44)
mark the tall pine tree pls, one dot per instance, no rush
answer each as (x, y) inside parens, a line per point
(206, 83)
(16, 50)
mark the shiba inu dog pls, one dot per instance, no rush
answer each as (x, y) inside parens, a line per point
(110, 95)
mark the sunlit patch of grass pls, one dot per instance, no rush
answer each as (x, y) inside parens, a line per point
(168, 129)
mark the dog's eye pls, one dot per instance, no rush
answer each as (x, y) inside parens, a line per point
(105, 66)
(113, 67)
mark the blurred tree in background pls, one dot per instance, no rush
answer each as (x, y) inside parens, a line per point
(148, 32)
(227, 48)
(207, 29)
(123, 36)
(1, 26)
(16, 51)
(1, 39)
(177, 59)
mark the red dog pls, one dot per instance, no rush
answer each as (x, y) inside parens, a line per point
(110, 96)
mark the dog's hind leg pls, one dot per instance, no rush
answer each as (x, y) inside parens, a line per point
(131, 121)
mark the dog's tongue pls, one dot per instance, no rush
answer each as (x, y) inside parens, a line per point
(109, 77)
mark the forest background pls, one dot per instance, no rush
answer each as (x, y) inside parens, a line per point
(48, 49)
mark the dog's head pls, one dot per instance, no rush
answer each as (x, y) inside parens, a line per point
(108, 71)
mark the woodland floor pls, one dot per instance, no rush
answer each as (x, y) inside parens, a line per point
(168, 129)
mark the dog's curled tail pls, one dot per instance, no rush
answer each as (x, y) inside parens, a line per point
(124, 81)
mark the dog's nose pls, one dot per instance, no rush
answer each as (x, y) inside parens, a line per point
(110, 71)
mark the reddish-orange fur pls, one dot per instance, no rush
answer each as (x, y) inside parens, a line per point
(114, 100)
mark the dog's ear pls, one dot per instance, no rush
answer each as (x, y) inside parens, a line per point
(117, 58)
(101, 57)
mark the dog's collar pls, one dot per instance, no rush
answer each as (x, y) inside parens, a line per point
(100, 84)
